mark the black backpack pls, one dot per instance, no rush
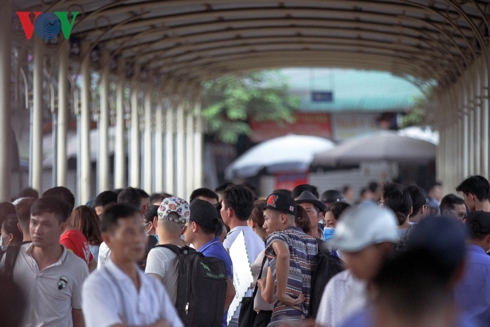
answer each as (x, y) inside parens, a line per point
(201, 287)
(328, 266)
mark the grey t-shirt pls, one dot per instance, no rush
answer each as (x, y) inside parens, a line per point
(163, 262)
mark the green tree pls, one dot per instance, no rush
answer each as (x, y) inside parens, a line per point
(230, 101)
(423, 105)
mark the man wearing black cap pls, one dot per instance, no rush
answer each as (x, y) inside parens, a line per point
(315, 210)
(200, 232)
(472, 294)
(292, 259)
(330, 197)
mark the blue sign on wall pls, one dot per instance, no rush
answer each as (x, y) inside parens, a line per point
(318, 96)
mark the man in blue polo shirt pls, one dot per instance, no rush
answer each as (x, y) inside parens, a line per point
(472, 293)
(200, 232)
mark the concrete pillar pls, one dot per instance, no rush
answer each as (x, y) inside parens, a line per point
(148, 172)
(120, 138)
(158, 158)
(475, 86)
(135, 151)
(169, 150)
(103, 155)
(484, 116)
(198, 147)
(5, 94)
(36, 142)
(465, 138)
(180, 153)
(189, 156)
(470, 105)
(85, 160)
(63, 115)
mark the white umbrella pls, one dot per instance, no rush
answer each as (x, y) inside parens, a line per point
(285, 154)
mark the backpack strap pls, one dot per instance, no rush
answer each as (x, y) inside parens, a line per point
(259, 277)
(10, 259)
(177, 250)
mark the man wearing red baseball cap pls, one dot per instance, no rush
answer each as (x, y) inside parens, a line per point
(292, 259)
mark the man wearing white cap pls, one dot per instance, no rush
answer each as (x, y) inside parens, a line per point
(162, 263)
(365, 235)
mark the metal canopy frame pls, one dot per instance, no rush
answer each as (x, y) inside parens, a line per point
(199, 40)
(164, 49)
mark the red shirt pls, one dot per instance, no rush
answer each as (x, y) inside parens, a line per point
(76, 242)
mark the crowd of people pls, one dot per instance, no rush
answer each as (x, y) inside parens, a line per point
(399, 256)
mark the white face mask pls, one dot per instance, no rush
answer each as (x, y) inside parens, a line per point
(4, 247)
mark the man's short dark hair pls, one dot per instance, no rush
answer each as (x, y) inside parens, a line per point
(205, 192)
(62, 193)
(477, 185)
(143, 193)
(418, 196)
(373, 187)
(105, 198)
(471, 229)
(449, 202)
(427, 290)
(151, 213)
(156, 197)
(222, 187)
(130, 195)
(50, 204)
(23, 209)
(398, 200)
(29, 192)
(305, 187)
(111, 216)
(252, 188)
(240, 199)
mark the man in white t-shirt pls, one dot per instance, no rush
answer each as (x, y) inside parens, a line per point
(236, 209)
(161, 263)
(50, 275)
(130, 196)
(119, 294)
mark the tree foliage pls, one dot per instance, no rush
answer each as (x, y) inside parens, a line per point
(230, 101)
(420, 113)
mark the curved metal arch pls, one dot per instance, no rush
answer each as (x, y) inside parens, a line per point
(305, 41)
(470, 22)
(247, 10)
(219, 17)
(292, 30)
(184, 40)
(429, 63)
(407, 27)
(226, 24)
(219, 58)
(381, 62)
(445, 18)
(271, 62)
